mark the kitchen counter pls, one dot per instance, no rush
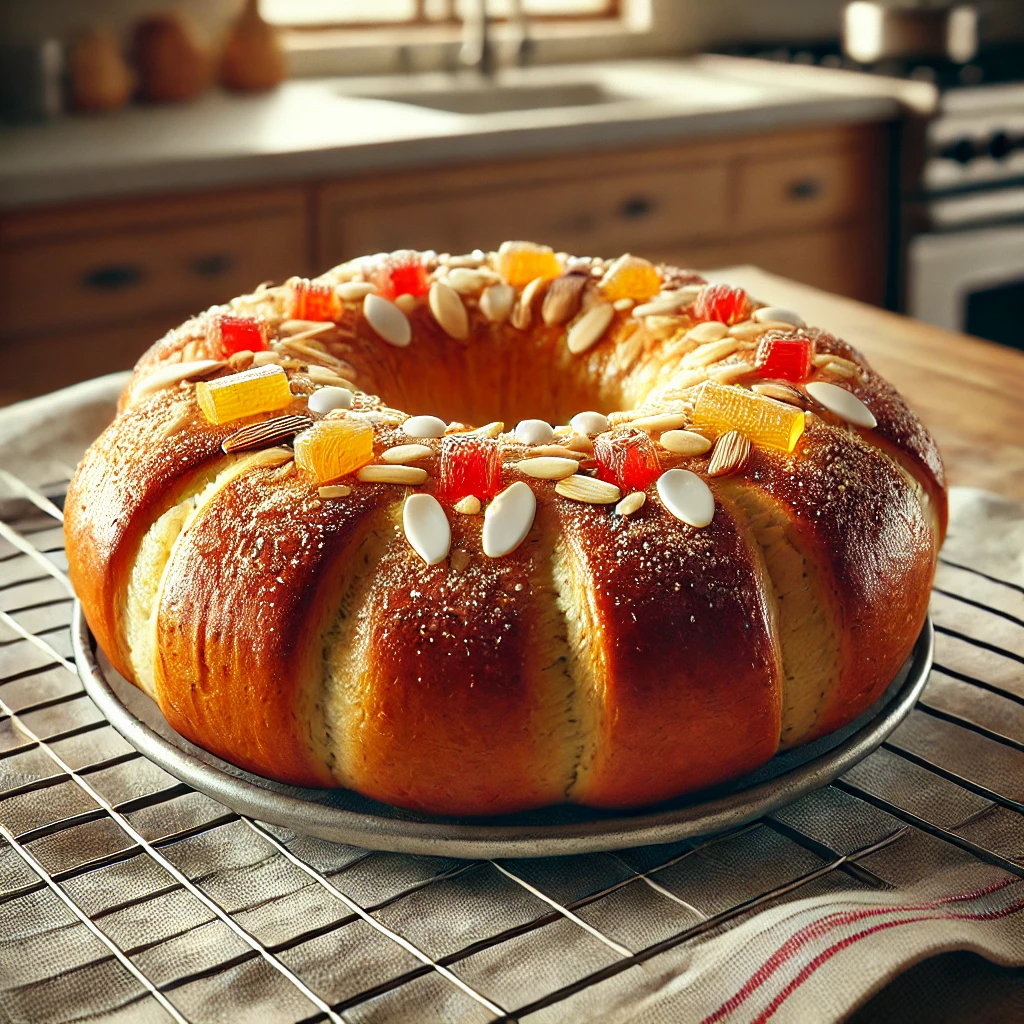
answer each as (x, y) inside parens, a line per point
(968, 392)
(316, 128)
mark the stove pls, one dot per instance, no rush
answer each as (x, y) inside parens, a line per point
(957, 186)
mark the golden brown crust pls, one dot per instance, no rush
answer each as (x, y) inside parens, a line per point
(607, 660)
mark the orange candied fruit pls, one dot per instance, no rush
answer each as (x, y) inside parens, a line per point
(721, 302)
(334, 448)
(312, 300)
(519, 263)
(764, 421)
(258, 389)
(631, 277)
(401, 273)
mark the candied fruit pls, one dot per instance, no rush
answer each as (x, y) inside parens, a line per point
(334, 448)
(629, 460)
(258, 389)
(764, 421)
(241, 333)
(401, 273)
(722, 303)
(785, 357)
(519, 263)
(631, 277)
(312, 300)
(469, 465)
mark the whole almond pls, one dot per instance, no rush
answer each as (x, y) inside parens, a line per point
(731, 452)
(562, 301)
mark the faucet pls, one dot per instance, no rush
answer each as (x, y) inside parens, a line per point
(477, 46)
(478, 49)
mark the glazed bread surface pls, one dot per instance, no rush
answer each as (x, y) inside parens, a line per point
(622, 651)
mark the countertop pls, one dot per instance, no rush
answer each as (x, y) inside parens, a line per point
(968, 392)
(316, 128)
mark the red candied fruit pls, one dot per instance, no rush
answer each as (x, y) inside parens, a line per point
(628, 460)
(312, 300)
(401, 273)
(469, 465)
(722, 303)
(241, 333)
(788, 358)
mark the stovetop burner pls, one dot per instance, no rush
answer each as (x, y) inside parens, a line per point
(993, 65)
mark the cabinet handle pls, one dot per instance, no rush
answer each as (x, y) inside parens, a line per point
(114, 277)
(213, 265)
(636, 207)
(805, 188)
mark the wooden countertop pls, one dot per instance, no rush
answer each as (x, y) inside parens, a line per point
(968, 392)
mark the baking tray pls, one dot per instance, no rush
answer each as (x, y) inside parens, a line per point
(346, 817)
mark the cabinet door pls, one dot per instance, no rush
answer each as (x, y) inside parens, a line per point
(603, 215)
(127, 266)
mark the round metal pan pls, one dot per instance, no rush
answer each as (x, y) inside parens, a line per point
(346, 817)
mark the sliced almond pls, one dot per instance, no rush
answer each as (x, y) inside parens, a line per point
(563, 299)
(403, 453)
(781, 393)
(328, 378)
(732, 450)
(312, 355)
(588, 330)
(555, 450)
(712, 352)
(777, 314)
(522, 312)
(708, 330)
(750, 329)
(489, 430)
(354, 291)
(334, 491)
(843, 403)
(378, 474)
(448, 310)
(687, 497)
(426, 528)
(496, 302)
(470, 281)
(588, 489)
(631, 503)
(508, 519)
(170, 374)
(684, 442)
(663, 421)
(842, 369)
(468, 506)
(266, 357)
(548, 467)
(387, 321)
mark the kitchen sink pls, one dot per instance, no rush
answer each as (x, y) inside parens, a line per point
(499, 99)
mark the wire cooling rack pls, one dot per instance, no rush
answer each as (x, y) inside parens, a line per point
(125, 895)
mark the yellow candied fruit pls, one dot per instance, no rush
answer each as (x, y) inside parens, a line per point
(258, 389)
(519, 263)
(763, 420)
(334, 448)
(630, 277)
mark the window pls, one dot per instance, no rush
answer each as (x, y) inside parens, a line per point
(324, 13)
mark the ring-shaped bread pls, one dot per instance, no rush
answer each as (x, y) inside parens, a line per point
(703, 532)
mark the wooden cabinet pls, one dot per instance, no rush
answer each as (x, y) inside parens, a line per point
(85, 289)
(808, 204)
